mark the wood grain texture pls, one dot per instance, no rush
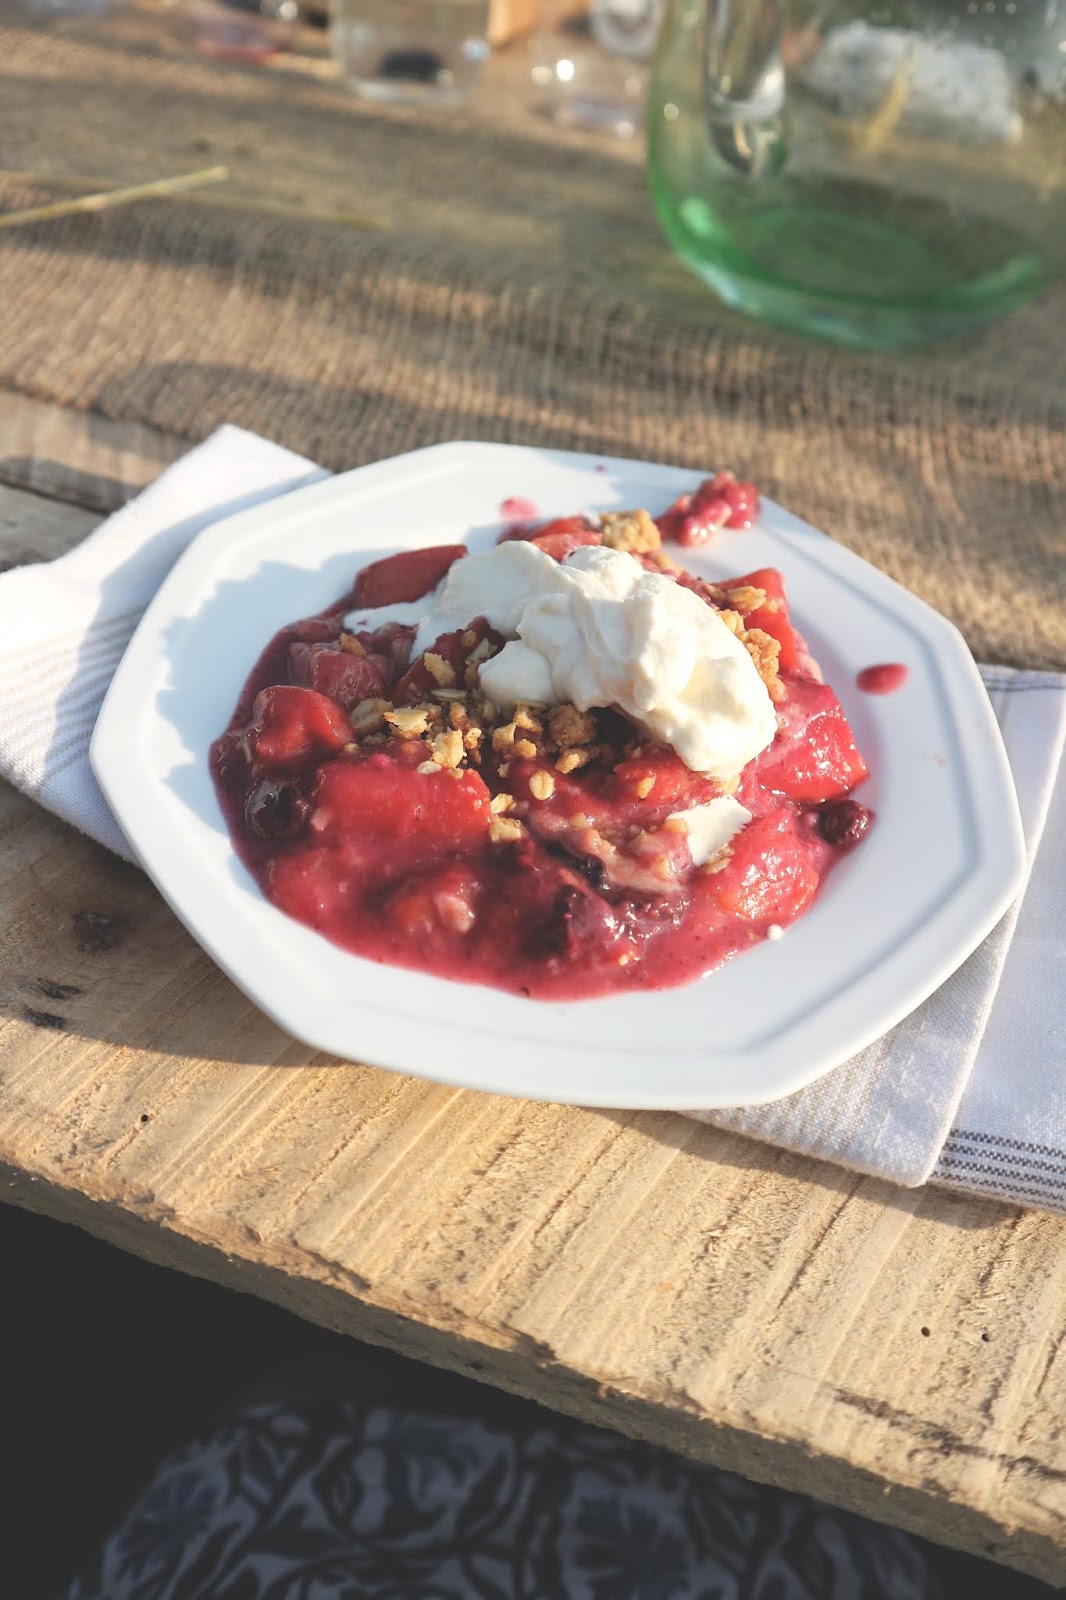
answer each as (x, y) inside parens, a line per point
(76, 456)
(33, 528)
(895, 1352)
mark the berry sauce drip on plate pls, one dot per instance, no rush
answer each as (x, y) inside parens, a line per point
(384, 800)
(884, 678)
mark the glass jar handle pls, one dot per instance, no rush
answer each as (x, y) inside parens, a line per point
(744, 83)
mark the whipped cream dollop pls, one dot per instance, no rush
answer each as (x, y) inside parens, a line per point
(599, 630)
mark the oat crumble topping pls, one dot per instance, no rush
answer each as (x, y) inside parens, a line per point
(570, 727)
(410, 721)
(631, 531)
(439, 670)
(448, 748)
(745, 597)
(369, 715)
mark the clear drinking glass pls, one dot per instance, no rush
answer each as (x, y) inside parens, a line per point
(410, 51)
(590, 63)
(876, 173)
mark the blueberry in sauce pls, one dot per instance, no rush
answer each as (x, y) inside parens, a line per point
(844, 823)
(276, 810)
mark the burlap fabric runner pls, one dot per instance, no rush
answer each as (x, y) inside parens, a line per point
(520, 292)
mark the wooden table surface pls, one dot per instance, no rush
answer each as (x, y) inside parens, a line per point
(895, 1352)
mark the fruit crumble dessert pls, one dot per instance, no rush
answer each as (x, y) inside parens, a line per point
(563, 767)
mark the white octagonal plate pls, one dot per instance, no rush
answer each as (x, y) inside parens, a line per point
(895, 918)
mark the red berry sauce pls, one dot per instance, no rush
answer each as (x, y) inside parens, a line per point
(719, 502)
(885, 678)
(510, 870)
(518, 509)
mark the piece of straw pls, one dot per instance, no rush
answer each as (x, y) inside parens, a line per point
(228, 202)
(107, 198)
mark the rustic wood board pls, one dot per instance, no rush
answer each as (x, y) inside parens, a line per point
(33, 528)
(74, 456)
(896, 1352)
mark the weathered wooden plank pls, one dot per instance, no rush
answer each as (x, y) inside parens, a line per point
(735, 1303)
(78, 456)
(33, 528)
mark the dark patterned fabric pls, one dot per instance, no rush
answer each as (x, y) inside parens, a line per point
(392, 1505)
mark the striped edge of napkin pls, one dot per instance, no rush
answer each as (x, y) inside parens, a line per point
(889, 1111)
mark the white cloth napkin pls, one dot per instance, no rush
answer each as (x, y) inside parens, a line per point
(963, 1092)
(65, 624)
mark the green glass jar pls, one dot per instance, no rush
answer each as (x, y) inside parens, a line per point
(878, 176)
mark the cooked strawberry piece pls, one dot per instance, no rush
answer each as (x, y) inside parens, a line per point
(768, 579)
(700, 586)
(657, 777)
(405, 576)
(311, 886)
(556, 538)
(774, 617)
(814, 756)
(769, 877)
(450, 651)
(581, 528)
(314, 630)
(718, 502)
(378, 798)
(344, 677)
(443, 900)
(393, 640)
(561, 541)
(292, 730)
(272, 666)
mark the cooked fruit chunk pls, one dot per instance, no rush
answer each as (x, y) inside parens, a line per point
(311, 886)
(292, 730)
(406, 576)
(560, 539)
(814, 756)
(774, 617)
(443, 900)
(718, 502)
(344, 677)
(769, 876)
(445, 664)
(557, 539)
(378, 798)
(657, 777)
